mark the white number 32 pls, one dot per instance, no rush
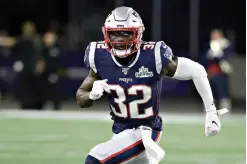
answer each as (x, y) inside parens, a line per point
(131, 109)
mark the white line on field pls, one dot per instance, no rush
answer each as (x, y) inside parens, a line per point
(105, 116)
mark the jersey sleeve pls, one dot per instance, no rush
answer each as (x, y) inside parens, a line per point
(163, 56)
(89, 57)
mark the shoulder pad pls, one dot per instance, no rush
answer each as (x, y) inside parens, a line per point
(90, 55)
(163, 55)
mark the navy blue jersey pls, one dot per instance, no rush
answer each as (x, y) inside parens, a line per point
(134, 90)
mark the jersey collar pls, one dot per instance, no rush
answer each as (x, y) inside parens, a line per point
(131, 65)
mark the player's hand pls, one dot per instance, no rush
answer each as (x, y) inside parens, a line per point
(212, 124)
(98, 89)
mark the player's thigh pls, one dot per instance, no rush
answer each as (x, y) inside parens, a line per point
(142, 158)
(122, 148)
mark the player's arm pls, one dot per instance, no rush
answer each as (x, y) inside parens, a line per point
(92, 87)
(185, 69)
(82, 94)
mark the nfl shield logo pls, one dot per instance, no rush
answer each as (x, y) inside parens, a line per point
(125, 70)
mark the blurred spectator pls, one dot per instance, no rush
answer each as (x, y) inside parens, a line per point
(219, 68)
(50, 79)
(4, 56)
(28, 64)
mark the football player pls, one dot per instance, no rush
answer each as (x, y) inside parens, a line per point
(130, 72)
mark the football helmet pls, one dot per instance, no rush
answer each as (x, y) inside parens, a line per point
(123, 30)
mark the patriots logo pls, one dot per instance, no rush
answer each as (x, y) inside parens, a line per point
(168, 54)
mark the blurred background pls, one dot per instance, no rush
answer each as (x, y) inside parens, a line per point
(42, 46)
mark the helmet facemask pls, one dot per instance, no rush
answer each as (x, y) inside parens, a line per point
(122, 42)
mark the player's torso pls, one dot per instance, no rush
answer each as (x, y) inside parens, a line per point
(134, 90)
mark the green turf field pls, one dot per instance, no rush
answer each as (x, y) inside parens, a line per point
(46, 141)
